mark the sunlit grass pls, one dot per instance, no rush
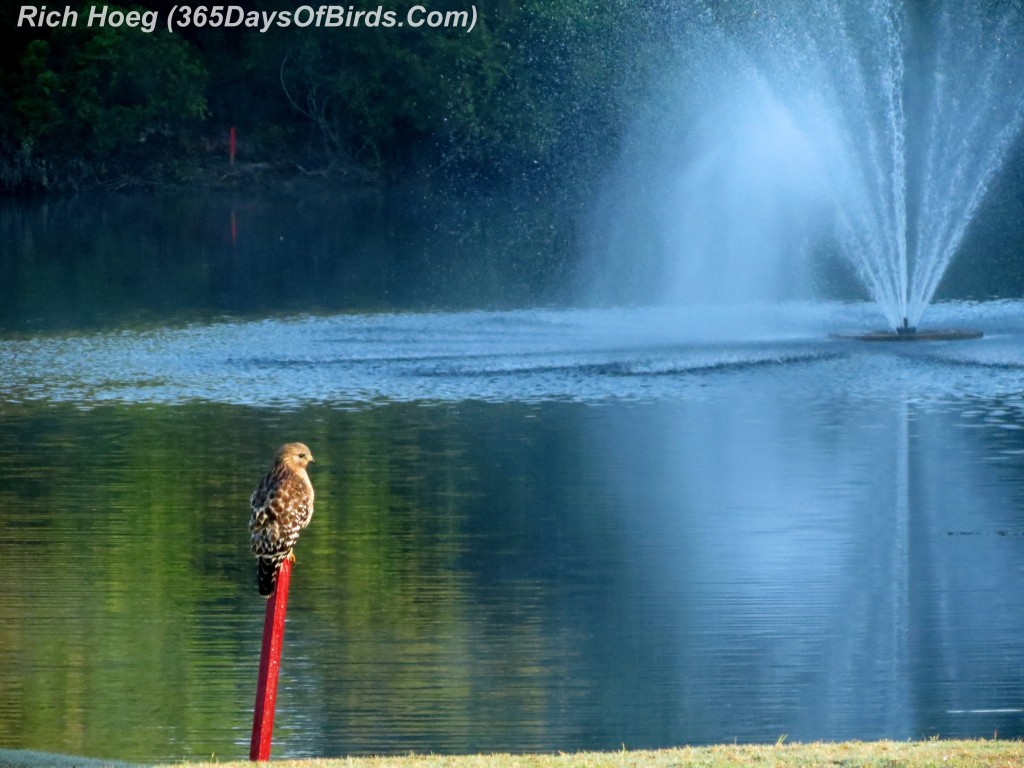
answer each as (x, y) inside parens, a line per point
(879, 754)
(883, 754)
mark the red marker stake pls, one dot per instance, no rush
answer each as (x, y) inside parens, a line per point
(270, 665)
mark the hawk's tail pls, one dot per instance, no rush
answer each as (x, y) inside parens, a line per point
(266, 573)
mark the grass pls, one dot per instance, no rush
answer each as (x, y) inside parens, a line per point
(881, 754)
(877, 754)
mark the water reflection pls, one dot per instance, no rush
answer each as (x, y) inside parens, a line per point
(116, 261)
(536, 530)
(810, 554)
(519, 576)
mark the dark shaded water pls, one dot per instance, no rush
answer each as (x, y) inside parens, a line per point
(535, 530)
(109, 261)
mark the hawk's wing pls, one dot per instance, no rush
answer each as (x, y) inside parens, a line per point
(282, 505)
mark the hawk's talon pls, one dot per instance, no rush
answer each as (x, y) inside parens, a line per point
(291, 558)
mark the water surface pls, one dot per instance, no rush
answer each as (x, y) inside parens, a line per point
(535, 530)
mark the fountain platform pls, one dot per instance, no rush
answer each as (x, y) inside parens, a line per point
(948, 334)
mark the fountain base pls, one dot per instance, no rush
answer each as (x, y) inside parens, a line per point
(912, 334)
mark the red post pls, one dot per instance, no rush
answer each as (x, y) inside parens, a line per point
(231, 145)
(270, 665)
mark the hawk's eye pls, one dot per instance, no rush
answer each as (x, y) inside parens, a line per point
(302, 455)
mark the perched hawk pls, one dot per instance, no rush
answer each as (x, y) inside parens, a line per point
(282, 505)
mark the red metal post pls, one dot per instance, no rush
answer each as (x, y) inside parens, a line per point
(231, 145)
(270, 665)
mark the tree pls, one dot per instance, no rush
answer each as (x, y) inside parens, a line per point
(90, 96)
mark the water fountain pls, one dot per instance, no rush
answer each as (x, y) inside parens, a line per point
(871, 130)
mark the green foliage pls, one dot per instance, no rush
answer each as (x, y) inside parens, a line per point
(36, 103)
(390, 99)
(126, 87)
(536, 88)
(575, 70)
(94, 95)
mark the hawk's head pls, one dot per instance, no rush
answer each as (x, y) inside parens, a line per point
(295, 455)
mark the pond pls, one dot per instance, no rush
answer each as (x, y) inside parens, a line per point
(536, 529)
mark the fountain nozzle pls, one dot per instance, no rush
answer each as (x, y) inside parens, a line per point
(906, 327)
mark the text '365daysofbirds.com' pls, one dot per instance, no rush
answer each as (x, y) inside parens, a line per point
(181, 17)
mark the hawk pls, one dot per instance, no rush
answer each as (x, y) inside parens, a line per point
(282, 505)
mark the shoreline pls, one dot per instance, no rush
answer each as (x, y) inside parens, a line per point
(961, 753)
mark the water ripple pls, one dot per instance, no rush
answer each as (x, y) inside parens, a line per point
(527, 355)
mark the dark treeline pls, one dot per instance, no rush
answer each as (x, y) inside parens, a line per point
(537, 89)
